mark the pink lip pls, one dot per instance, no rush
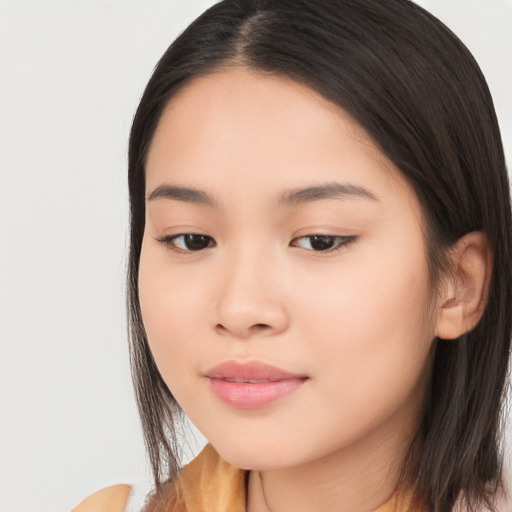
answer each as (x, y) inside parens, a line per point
(251, 385)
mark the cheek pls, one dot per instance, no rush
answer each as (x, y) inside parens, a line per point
(371, 327)
(170, 308)
(377, 289)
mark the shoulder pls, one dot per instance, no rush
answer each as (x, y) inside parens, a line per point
(109, 499)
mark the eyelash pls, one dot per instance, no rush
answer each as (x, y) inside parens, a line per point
(170, 242)
(340, 241)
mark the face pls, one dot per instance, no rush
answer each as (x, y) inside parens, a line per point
(283, 278)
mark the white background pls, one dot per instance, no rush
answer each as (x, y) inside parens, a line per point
(71, 73)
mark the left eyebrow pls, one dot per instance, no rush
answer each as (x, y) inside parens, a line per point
(324, 191)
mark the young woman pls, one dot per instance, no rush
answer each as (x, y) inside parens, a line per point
(320, 267)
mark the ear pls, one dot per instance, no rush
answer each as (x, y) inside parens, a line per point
(464, 291)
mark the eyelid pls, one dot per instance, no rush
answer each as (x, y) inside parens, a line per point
(343, 242)
(169, 242)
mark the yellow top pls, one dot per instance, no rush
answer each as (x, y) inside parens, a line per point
(207, 484)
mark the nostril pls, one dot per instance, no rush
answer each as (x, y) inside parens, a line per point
(240, 331)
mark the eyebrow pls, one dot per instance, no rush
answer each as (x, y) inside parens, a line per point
(185, 194)
(289, 198)
(332, 190)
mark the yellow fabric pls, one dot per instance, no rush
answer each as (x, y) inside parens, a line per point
(208, 484)
(110, 499)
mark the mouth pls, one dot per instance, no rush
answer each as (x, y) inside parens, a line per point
(252, 385)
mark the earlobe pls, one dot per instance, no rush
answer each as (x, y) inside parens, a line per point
(465, 291)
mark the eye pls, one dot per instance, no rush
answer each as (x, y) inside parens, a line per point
(322, 243)
(187, 242)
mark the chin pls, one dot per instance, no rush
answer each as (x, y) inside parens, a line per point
(257, 454)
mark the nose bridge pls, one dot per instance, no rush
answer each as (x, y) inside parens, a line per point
(250, 298)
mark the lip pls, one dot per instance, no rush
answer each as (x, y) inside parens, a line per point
(252, 385)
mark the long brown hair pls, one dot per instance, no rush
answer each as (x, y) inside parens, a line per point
(418, 92)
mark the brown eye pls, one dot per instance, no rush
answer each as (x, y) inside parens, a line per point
(322, 243)
(188, 242)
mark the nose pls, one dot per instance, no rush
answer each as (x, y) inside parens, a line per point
(251, 298)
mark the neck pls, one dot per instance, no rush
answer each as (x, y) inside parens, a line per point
(359, 478)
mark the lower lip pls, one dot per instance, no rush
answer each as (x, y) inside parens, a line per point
(246, 395)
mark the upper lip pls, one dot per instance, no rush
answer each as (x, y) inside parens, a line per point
(250, 371)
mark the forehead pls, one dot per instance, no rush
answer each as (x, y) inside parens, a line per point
(252, 131)
(256, 102)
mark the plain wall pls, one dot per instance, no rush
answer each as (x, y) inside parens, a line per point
(71, 74)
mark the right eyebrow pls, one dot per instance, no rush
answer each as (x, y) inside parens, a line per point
(185, 194)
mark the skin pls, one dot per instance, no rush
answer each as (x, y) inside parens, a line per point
(358, 322)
